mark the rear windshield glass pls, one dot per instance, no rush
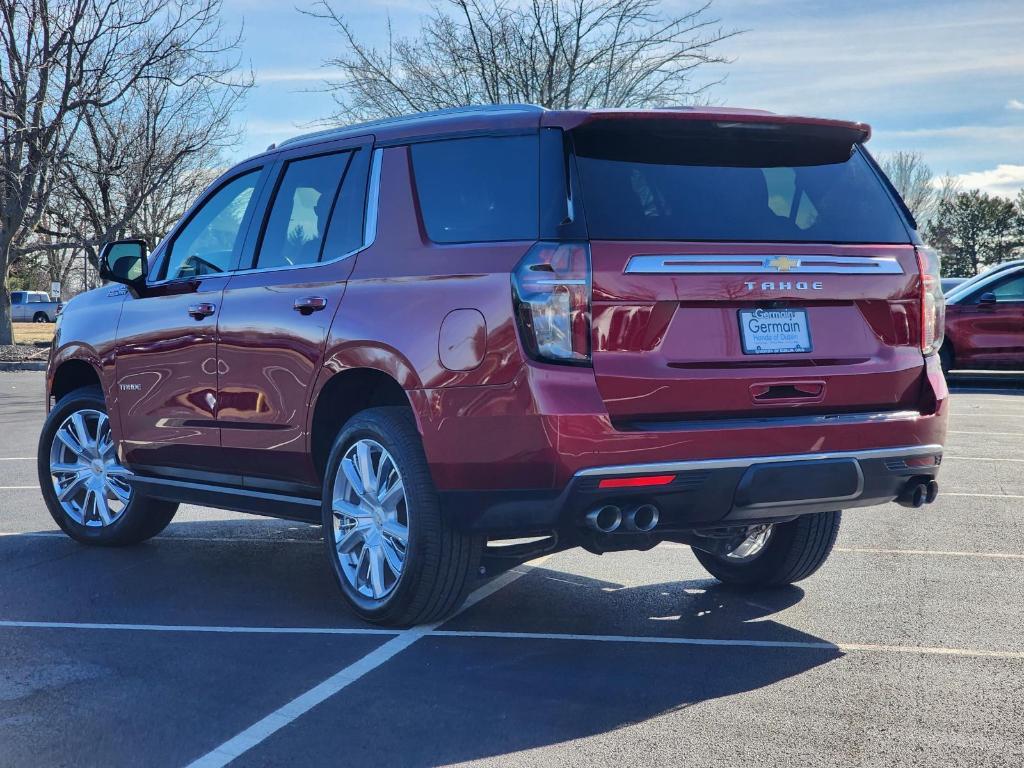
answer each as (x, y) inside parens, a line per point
(664, 187)
(479, 189)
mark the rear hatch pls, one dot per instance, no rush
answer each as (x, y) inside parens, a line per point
(745, 269)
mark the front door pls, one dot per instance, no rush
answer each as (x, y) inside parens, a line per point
(166, 354)
(995, 329)
(276, 314)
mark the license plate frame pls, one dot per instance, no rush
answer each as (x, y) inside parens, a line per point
(793, 335)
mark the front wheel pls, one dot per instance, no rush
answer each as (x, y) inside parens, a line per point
(775, 555)
(86, 488)
(396, 558)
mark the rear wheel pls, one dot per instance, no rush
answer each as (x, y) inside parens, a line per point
(397, 560)
(774, 555)
(40, 317)
(87, 489)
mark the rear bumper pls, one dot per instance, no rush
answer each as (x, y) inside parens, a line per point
(528, 456)
(707, 493)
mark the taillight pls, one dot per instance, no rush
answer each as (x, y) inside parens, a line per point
(933, 305)
(551, 293)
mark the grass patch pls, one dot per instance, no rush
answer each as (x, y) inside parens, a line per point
(26, 333)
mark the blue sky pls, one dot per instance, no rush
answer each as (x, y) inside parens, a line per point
(943, 77)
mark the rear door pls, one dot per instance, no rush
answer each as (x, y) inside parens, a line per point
(745, 271)
(278, 308)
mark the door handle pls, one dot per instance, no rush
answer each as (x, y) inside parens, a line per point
(309, 304)
(204, 309)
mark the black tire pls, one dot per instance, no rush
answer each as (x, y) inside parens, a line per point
(141, 519)
(441, 562)
(946, 357)
(793, 552)
(40, 317)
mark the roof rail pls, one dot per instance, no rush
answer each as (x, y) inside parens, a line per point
(415, 117)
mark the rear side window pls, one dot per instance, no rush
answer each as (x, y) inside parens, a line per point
(17, 298)
(480, 189)
(302, 206)
(1010, 290)
(750, 187)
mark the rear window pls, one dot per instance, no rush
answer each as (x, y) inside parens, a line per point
(692, 186)
(478, 190)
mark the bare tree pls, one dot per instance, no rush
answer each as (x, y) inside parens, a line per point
(556, 53)
(913, 179)
(137, 165)
(61, 60)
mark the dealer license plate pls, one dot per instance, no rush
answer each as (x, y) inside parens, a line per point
(774, 331)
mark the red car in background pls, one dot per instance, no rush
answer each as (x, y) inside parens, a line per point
(985, 320)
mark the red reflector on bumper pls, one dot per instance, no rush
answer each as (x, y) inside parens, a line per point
(636, 482)
(923, 461)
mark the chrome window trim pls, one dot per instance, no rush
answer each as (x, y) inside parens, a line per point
(749, 461)
(757, 264)
(369, 226)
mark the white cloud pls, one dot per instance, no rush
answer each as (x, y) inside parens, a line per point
(1005, 179)
(313, 74)
(1015, 105)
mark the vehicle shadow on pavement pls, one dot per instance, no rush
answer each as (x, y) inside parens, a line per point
(452, 699)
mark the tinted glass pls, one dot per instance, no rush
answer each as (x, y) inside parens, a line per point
(478, 190)
(302, 206)
(652, 190)
(17, 298)
(345, 231)
(1010, 290)
(207, 244)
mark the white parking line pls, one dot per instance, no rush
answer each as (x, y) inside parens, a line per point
(199, 628)
(946, 457)
(986, 434)
(738, 643)
(982, 495)
(936, 552)
(260, 731)
(19, 487)
(17, 458)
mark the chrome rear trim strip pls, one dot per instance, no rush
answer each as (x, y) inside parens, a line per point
(747, 461)
(763, 264)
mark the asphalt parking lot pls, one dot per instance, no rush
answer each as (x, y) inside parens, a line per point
(224, 638)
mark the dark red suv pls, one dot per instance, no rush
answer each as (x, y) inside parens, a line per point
(597, 328)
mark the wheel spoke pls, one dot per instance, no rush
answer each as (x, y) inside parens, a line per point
(119, 492)
(81, 432)
(102, 509)
(342, 508)
(67, 491)
(66, 436)
(389, 499)
(395, 530)
(70, 469)
(392, 556)
(352, 475)
(365, 464)
(352, 539)
(376, 571)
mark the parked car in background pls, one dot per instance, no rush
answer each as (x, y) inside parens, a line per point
(949, 283)
(594, 328)
(985, 320)
(34, 307)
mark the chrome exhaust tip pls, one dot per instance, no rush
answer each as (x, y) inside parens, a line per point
(642, 518)
(932, 491)
(917, 493)
(606, 519)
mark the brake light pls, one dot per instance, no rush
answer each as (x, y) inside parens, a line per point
(933, 305)
(551, 295)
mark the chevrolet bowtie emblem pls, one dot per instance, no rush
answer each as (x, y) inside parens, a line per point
(781, 263)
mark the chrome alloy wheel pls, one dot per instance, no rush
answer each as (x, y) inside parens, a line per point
(371, 519)
(750, 547)
(91, 486)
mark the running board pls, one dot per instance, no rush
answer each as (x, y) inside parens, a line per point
(225, 497)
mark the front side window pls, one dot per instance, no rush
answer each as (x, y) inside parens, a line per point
(479, 189)
(1010, 290)
(207, 244)
(302, 207)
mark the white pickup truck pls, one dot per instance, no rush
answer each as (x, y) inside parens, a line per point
(34, 306)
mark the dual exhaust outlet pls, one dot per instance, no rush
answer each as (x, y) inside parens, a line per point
(608, 518)
(918, 492)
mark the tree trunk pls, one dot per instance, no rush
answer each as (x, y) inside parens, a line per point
(6, 332)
